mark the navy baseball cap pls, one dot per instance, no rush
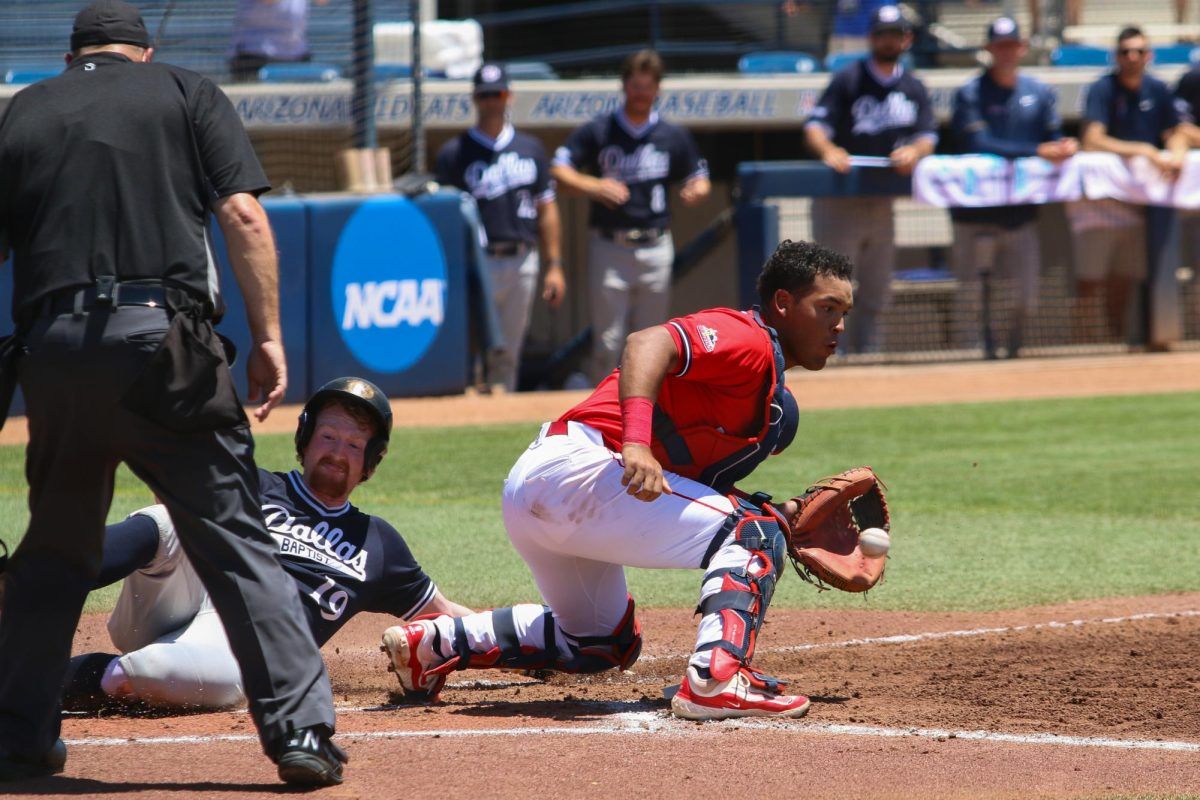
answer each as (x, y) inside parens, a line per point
(888, 18)
(491, 78)
(1003, 29)
(109, 22)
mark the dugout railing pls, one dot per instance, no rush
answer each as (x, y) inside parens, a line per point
(925, 320)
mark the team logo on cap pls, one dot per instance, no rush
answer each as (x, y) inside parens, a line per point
(1004, 27)
(490, 73)
(889, 14)
(708, 337)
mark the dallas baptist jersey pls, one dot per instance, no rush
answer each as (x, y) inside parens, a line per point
(345, 561)
(722, 412)
(646, 159)
(868, 116)
(508, 176)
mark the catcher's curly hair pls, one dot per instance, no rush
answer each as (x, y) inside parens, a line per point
(794, 266)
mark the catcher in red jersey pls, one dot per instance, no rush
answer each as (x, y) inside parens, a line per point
(641, 474)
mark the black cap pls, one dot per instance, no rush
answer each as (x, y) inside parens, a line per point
(1003, 29)
(491, 78)
(109, 22)
(888, 18)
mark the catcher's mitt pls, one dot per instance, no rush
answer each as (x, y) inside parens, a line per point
(823, 531)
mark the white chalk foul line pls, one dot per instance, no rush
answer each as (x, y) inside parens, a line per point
(908, 638)
(641, 722)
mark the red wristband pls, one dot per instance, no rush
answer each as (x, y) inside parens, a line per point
(636, 414)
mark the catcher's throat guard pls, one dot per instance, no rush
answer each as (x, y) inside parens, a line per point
(823, 531)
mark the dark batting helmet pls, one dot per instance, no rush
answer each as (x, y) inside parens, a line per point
(360, 393)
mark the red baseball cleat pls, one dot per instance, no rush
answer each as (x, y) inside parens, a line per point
(740, 696)
(410, 648)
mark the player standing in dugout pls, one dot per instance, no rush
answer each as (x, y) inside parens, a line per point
(507, 173)
(1008, 114)
(633, 156)
(111, 171)
(873, 107)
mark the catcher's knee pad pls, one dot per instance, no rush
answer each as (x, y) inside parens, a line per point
(745, 590)
(587, 653)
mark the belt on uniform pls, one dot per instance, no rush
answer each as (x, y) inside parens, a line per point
(633, 235)
(111, 293)
(506, 249)
(557, 428)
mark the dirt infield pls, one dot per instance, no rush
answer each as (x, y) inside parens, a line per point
(1086, 699)
(1083, 699)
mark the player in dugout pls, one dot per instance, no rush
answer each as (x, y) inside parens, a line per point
(640, 474)
(341, 560)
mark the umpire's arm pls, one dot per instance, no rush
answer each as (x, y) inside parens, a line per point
(251, 248)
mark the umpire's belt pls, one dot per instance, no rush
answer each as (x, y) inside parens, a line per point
(506, 249)
(76, 301)
(634, 236)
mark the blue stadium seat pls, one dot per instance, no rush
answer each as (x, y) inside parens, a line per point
(530, 71)
(836, 61)
(299, 73)
(777, 62)
(923, 275)
(1169, 54)
(1081, 55)
(24, 75)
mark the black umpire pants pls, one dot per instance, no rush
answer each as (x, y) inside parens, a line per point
(74, 376)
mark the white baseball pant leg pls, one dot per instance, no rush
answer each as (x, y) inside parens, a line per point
(572, 521)
(630, 290)
(175, 652)
(514, 281)
(863, 230)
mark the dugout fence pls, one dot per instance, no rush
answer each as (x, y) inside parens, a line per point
(929, 317)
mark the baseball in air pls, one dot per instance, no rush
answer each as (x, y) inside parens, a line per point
(874, 542)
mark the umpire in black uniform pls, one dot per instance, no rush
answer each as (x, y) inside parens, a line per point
(110, 172)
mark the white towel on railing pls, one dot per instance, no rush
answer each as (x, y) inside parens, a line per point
(978, 181)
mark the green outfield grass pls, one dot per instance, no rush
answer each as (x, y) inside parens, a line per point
(995, 505)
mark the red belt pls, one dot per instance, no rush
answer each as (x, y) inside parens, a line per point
(557, 428)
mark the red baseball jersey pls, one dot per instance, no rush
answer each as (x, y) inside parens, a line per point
(717, 403)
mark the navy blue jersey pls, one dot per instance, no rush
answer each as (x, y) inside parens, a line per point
(1009, 122)
(344, 561)
(508, 176)
(646, 159)
(1135, 116)
(869, 117)
(1187, 95)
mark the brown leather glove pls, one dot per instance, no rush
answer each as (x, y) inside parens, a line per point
(823, 531)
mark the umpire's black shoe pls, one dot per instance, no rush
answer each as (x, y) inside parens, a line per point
(16, 768)
(308, 757)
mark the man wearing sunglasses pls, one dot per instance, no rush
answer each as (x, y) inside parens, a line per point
(508, 174)
(1130, 113)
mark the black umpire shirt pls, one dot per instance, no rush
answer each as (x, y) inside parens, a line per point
(87, 192)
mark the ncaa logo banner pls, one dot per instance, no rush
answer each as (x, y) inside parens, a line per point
(388, 284)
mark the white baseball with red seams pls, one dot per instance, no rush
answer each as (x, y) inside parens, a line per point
(874, 542)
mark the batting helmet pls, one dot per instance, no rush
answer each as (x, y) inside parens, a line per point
(362, 394)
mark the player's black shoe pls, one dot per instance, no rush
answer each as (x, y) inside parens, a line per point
(308, 757)
(16, 768)
(81, 687)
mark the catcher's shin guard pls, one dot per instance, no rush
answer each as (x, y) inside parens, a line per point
(587, 653)
(744, 591)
